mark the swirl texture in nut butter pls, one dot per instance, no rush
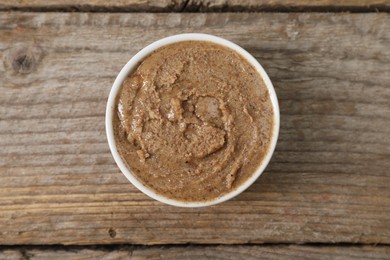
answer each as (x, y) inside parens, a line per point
(194, 120)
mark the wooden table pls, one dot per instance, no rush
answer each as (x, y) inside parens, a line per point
(325, 194)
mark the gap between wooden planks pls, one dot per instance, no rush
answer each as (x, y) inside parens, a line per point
(202, 252)
(328, 180)
(197, 5)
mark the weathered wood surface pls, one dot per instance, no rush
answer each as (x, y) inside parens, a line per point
(194, 5)
(327, 182)
(86, 5)
(204, 252)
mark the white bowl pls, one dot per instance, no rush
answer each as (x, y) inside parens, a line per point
(131, 66)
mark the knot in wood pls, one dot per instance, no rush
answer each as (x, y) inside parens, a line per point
(23, 63)
(112, 232)
(24, 59)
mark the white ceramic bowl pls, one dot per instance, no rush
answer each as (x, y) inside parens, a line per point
(134, 62)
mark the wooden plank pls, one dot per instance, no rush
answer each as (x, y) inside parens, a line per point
(285, 5)
(204, 252)
(196, 5)
(327, 182)
(95, 5)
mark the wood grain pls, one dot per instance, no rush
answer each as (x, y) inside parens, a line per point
(327, 182)
(203, 252)
(284, 5)
(195, 5)
(96, 5)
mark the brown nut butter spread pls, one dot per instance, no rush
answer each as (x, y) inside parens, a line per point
(193, 121)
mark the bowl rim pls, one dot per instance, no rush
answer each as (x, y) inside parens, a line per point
(134, 62)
